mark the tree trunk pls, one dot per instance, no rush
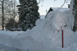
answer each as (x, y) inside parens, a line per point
(2, 14)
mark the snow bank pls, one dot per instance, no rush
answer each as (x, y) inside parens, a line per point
(43, 37)
(71, 12)
(70, 19)
(59, 20)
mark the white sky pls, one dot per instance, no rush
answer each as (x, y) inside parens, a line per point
(46, 4)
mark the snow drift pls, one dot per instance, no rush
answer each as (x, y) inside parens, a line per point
(43, 37)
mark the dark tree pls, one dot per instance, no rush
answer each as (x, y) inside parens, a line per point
(28, 14)
(11, 24)
(75, 15)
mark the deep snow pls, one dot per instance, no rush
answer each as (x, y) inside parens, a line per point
(45, 36)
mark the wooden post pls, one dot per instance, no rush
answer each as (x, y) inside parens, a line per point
(62, 40)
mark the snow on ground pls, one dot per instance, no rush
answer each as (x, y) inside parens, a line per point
(45, 36)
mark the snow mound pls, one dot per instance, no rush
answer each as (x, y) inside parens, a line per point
(59, 20)
(70, 19)
(43, 37)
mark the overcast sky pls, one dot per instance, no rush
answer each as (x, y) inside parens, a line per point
(46, 4)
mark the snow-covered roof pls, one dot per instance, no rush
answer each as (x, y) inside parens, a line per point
(62, 10)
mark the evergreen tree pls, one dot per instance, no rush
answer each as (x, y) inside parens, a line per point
(28, 14)
(75, 15)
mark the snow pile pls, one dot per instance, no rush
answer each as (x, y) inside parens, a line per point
(59, 20)
(71, 12)
(70, 18)
(43, 37)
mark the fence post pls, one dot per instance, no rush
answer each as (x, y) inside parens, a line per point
(62, 39)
